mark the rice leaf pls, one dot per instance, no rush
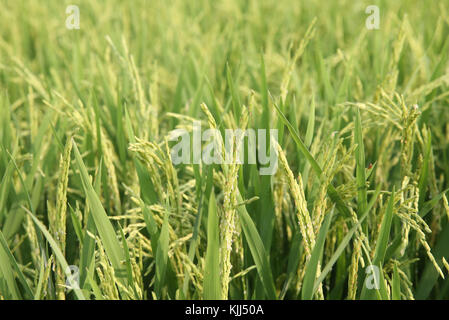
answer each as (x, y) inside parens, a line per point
(212, 284)
(315, 259)
(104, 226)
(59, 256)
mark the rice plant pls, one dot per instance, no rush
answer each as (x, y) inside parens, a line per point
(94, 206)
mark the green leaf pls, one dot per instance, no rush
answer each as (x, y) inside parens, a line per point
(380, 250)
(396, 290)
(7, 273)
(129, 271)
(257, 249)
(429, 205)
(360, 168)
(234, 94)
(146, 185)
(207, 171)
(104, 226)
(422, 183)
(58, 253)
(13, 262)
(212, 284)
(162, 256)
(315, 258)
(293, 261)
(265, 118)
(384, 233)
(310, 124)
(345, 241)
(331, 191)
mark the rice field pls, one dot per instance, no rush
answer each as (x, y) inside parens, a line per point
(94, 205)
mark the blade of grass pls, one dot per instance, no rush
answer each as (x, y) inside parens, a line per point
(8, 274)
(212, 288)
(129, 271)
(58, 253)
(360, 166)
(147, 191)
(257, 249)
(102, 223)
(315, 258)
(345, 241)
(422, 183)
(234, 94)
(162, 256)
(396, 287)
(13, 262)
(332, 192)
(381, 249)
